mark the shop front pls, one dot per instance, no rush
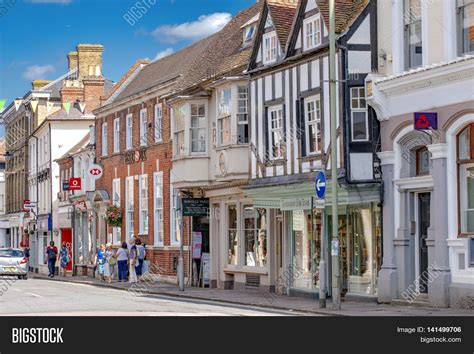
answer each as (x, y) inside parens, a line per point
(44, 236)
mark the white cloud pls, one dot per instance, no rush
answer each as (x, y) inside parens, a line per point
(204, 26)
(164, 53)
(61, 2)
(37, 72)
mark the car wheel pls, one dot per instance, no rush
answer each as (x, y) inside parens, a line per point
(25, 277)
(20, 277)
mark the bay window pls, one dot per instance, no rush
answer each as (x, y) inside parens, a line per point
(312, 32)
(116, 231)
(129, 131)
(255, 236)
(179, 117)
(198, 128)
(465, 10)
(359, 119)
(466, 179)
(158, 123)
(232, 231)
(224, 116)
(129, 206)
(143, 195)
(158, 235)
(175, 221)
(276, 139)
(313, 125)
(116, 135)
(242, 115)
(269, 47)
(143, 127)
(413, 36)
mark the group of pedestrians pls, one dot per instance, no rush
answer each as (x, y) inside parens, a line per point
(129, 254)
(129, 259)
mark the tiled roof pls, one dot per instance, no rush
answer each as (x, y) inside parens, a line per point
(74, 113)
(283, 16)
(346, 12)
(83, 143)
(205, 60)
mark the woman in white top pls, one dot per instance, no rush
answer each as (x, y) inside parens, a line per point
(110, 262)
(122, 257)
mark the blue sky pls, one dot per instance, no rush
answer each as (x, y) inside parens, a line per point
(36, 35)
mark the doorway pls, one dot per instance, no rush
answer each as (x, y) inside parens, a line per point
(424, 202)
(279, 252)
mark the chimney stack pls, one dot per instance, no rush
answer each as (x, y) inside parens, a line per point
(89, 60)
(37, 84)
(72, 59)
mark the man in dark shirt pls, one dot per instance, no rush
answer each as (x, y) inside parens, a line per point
(51, 256)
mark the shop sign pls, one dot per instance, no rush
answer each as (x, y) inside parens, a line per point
(298, 220)
(195, 206)
(135, 156)
(197, 244)
(206, 268)
(65, 185)
(95, 172)
(426, 121)
(303, 203)
(75, 184)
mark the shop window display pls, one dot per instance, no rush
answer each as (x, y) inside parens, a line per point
(255, 235)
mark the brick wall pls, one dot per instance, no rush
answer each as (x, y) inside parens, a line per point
(158, 158)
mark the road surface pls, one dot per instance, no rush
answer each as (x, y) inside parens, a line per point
(36, 297)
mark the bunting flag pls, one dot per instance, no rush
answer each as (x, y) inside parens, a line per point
(49, 106)
(34, 105)
(2, 104)
(67, 106)
(18, 104)
(82, 106)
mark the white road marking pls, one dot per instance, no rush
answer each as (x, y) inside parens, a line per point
(18, 290)
(35, 295)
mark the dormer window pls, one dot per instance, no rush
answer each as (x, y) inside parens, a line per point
(312, 32)
(269, 47)
(249, 33)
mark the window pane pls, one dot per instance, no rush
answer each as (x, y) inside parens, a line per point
(467, 28)
(465, 144)
(415, 45)
(232, 232)
(466, 194)
(359, 127)
(255, 236)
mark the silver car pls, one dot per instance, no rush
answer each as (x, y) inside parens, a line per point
(13, 262)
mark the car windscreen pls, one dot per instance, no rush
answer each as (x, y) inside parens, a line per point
(11, 253)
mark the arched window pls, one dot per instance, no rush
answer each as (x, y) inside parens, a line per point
(465, 161)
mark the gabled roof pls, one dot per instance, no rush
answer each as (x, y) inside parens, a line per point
(218, 54)
(346, 12)
(122, 84)
(283, 16)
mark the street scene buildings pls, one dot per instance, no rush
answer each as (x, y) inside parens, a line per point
(218, 157)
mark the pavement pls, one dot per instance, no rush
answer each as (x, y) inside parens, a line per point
(256, 299)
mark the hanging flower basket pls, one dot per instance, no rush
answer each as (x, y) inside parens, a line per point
(114, 216)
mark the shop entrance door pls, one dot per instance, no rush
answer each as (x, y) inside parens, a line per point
(423, 225)
(279, 249)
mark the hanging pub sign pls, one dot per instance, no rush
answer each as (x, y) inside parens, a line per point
(135, 156)
(426, 121)
(65, 185)
(195, 206)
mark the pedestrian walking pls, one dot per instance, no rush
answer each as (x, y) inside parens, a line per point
(63, 258)
(133, 257)
(100, 261)
(51, 256)
(141, 251)
(122, 257)
(110, 262)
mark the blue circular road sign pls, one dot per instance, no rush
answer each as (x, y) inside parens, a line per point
(320, 184)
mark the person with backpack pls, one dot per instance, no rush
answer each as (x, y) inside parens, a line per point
(51, 256)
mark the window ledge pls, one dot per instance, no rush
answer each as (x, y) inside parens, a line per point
(246, 269)
(230, 146)
(191, 157)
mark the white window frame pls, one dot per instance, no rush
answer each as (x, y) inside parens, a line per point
(461, 6)
(315, 122)
(104, 139)
(223, 116)
(174, 218)
(129, 131)
(359, 109)
(243, 113)
(271, 130)
(312, 39)
(116, 135)
(270, 47)
(116, 231)
(143, 127)
(158, 208)
(179, 151)
(129, 206)
(158, 123)
(143, 204)
(191, 128)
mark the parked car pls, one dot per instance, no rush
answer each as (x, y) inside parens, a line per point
(13, 263)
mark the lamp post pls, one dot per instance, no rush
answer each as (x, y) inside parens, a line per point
(336, 291)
